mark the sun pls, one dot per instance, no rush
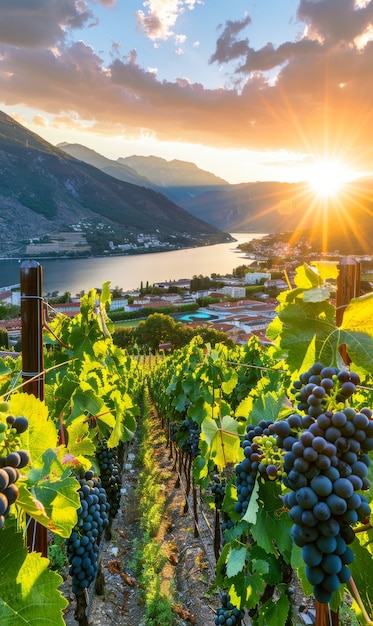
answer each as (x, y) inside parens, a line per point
(328, 178)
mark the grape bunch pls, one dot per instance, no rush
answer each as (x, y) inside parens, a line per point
(326, 463)
(189, 433)
(218, 489)
(12, 460)
(82, 547)
(315, 388)
(246, 470)
(228, 614)
(110, 472)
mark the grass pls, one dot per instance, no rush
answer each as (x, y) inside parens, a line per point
(150, 560)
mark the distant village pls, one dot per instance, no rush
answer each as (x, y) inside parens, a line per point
(231, 311)
(228, 309)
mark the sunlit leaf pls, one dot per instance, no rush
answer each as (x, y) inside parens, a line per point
(28, 588)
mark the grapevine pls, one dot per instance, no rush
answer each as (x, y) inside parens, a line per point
(12, 459)
(326, 463)
(227, 614)
(82, 546)
(110, 473)
(262, 455)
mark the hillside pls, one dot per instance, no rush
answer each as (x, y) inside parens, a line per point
(262, 207)
(44, 190)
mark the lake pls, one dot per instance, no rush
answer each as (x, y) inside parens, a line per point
(127, 272)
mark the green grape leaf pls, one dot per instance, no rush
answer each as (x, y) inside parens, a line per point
(223, 442)
(41, 433)
(326, 270)
(362, 564)
(260, 566)
(246, 590)
(80, 443)
(245, 407)
(86, 400)
(61, 501)
(358, 315)
(252, 510)
(105, 297)
(236, 561)
(275, 611)
(267, 406)
(272, 528)
(306, 277)
(52, 486)
(28, 589)
(359, 348)
(356, 331)
(229, 382)
(298, 324)
(199, 411)
(125, 422)
(318, 294)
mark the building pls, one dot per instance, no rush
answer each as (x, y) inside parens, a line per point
(234, 291)
(255, 278)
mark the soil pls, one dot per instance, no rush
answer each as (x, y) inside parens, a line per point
(189, 570)
(190, 566)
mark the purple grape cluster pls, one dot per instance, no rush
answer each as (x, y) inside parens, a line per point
(82, 546)
(227, 614)
(11, 462)
(326, 463)
(246, 470)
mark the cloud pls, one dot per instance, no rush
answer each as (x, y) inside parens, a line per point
(36, 25)
(159, 21)
(107, 3)
(227, 48)
(336, 20)
(40, 120)
(295, 96)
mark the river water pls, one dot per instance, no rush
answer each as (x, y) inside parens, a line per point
(127, 272)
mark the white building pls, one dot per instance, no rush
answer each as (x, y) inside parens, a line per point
(254, 278)
(234, 292)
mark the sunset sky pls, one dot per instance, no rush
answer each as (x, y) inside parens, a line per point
(247, 89)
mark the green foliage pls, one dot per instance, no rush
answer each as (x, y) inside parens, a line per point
(223, 389)
(93, 390)
(28, 589)
(9, 311)
(4, 340)
(307, 318)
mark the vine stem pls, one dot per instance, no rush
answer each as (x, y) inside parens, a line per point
(359, 601)
(363, 529)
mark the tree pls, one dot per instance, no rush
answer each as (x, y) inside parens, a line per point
(157, 328)
(117, 292)
(123, 337)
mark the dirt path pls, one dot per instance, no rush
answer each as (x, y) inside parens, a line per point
(190, 561)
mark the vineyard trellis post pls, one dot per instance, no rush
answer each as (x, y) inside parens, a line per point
(32, 321)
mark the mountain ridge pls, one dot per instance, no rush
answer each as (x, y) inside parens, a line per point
(266, 206)
(44, 189)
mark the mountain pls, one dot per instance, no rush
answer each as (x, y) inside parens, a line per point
(262, 207)
(343, 223)
(180, 181)
(113, 168)
(43, 189)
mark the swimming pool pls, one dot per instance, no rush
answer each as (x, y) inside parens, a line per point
(194, 317)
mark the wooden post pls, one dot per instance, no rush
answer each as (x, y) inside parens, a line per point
(348, 285)
(32, 319)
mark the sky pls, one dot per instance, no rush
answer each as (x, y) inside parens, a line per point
(247, 89)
